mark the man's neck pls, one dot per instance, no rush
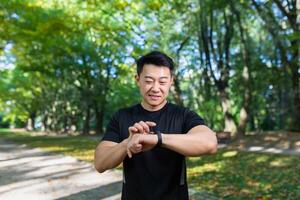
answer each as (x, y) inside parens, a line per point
(153, 108)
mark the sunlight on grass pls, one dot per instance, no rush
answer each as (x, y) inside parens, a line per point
(56, 148)
(87, 155)
(246, 175)
(280, 162)
(227, 174)
(230, 154)
(79, 147)
(261, 158)
(205, 168)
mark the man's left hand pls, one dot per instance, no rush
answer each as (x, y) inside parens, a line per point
(141, 142)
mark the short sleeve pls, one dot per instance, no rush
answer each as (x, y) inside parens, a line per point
(112, 132)
(191, 119)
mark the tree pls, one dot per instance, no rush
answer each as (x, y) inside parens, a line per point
(281, 20)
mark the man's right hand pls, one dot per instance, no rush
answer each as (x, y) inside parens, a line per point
(138, 128)
(141, 127)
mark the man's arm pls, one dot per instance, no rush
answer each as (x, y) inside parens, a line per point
(109, 155)
(198, 141)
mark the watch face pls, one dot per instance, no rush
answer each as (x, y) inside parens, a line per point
(154, 129)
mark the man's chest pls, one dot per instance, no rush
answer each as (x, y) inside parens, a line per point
(168, 124)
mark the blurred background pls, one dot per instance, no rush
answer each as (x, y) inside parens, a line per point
(67, 65)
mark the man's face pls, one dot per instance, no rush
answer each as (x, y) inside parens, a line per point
(154, 83)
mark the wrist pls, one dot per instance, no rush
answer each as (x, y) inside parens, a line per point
(159, 138)
(163, 140)
(124, 143)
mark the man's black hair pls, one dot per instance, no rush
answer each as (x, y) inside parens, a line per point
(155, 58)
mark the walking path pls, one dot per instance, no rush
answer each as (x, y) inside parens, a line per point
(32, 174)
(286, 143)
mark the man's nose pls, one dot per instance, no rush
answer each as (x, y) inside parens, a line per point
(155, 87)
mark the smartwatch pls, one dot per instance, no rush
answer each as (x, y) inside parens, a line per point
(158, 133)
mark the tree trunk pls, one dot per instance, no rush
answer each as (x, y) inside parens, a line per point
(296, 98)
(177, 92)
(31, 122)
(220, 56)
(65, 124)
(44, 122)
(289, 53)
(99, 122)
(29, 125)
(86, 125)
(229, 124)
(246, 76)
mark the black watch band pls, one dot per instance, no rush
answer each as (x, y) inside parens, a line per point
(159, 142)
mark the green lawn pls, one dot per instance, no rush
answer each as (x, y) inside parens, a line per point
(244, 175)
(228, 174)
(81, 147)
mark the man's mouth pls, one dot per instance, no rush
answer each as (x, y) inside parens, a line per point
(154, 97)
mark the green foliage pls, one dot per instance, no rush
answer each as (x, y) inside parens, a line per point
(76, 51)
(240, 175)
(73, 60)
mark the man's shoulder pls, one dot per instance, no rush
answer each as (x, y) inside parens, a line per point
(181, 110)
(176, 108)
(126, 110)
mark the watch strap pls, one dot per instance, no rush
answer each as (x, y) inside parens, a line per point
(159, 137)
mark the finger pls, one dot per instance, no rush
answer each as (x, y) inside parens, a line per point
(139, 127)
(129, 153)
(138, 151)
(134, 150)
(133, 130)
(145, 126)
(139, 147)
(136, 146)
(149, 123)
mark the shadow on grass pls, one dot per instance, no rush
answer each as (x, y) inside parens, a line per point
(81, 147)
(111, 190)
(244, 175)
(26, 164)
(230, 174)
(282, 140)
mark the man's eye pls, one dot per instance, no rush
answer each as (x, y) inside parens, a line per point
(149, 82)
(163, 83)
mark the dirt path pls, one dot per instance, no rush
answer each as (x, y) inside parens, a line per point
(32, 174)
(27, 173)
(287, 143)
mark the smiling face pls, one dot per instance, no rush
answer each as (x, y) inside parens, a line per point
(154, 83)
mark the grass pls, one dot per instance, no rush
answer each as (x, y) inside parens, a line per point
(245, 175)
(228, 174)
(80, 147)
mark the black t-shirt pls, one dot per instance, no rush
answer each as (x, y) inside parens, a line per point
(159, 173)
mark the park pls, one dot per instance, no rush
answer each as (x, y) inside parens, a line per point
(67, 66)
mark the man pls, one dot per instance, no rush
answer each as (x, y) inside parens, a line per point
(154, 163)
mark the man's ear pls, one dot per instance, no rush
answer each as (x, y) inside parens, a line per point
(172, 79)
(137, 78)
